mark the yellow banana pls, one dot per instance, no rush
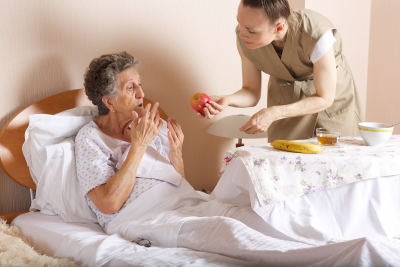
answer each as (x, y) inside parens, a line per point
(296, 147)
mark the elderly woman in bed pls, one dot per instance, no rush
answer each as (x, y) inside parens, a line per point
(113, 84)
(117, 154)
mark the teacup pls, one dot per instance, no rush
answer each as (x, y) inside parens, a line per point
(327, 136)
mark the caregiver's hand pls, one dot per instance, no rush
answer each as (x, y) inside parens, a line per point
(218, 104)
(259, 122)
(175, 137)
(149, 126)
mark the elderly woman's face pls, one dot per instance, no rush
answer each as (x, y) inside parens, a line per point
(130, 97)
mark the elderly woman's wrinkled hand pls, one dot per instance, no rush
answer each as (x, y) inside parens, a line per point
(149, 126)
(175, 137)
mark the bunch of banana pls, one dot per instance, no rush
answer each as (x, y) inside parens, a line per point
(296, 147)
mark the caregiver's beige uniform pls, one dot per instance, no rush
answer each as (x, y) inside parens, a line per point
(291, 79)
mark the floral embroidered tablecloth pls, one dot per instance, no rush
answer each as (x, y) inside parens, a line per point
(279, 175)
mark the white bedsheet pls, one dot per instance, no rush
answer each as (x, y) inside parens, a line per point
(88, 245)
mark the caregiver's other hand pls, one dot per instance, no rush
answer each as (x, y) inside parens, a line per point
(259, 122)
(149, 126)
(214, 106)
(175, 137)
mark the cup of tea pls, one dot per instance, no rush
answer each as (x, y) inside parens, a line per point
(327, 136)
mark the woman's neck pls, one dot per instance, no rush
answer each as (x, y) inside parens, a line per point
(114, 126)
(280, 39)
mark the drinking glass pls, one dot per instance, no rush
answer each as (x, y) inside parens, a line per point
(328, 136)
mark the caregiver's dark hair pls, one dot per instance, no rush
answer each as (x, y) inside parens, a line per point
(100, 78)
(274, 9)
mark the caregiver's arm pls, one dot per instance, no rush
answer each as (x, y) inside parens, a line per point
(250, 93)
(324, 71)
(110, 197)
(247, 96)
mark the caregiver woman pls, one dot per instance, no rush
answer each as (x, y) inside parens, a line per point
(310, 84)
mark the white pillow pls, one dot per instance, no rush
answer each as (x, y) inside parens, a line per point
(49, 151)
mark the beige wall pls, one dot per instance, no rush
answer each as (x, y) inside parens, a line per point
(383, 97)
(184, 46)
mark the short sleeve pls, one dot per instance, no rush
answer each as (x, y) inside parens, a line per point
(93, 160)
(323, 45)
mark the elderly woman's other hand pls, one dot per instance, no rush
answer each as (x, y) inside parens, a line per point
(149, 126)
(175, 136)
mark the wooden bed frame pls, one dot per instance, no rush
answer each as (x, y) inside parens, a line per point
(12, 136)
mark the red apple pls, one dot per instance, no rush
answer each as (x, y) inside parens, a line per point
(198, 102)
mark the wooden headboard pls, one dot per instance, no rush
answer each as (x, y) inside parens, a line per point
(12, 136)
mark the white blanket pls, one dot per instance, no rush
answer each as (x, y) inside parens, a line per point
(229, 241)
(182, 217)
(158, 214)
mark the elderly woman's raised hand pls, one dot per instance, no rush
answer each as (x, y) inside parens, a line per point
(175, 137)
(149, 126)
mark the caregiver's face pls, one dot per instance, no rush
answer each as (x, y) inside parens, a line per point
(130, 97)
(255, 28)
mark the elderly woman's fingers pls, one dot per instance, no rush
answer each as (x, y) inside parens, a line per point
(159, 126)
(171, 128)
(135, 118)
(148, 107)
(157, 117)
(153, 111)
(172, 137)
(178, 129)
(146, 112)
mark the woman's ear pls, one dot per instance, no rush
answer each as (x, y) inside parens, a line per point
(280, 26)
(109, 103)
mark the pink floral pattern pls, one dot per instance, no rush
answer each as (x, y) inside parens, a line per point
(279, 175)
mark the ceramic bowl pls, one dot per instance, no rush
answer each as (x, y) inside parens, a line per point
(374, 133)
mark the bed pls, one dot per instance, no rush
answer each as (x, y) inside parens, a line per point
(88, 245)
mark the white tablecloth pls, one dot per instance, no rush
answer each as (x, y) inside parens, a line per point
(367, 207)
(280, 175)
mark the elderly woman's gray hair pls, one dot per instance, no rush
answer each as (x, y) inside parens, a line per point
(101, 80)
